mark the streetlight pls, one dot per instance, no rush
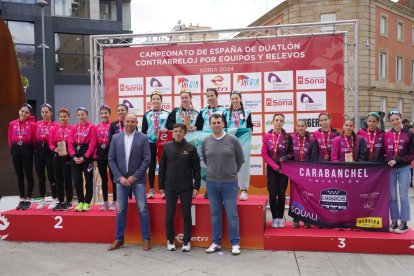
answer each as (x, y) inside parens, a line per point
(42, 4)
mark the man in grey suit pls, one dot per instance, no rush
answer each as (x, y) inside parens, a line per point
(129, 158)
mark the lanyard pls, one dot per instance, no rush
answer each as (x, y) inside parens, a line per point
(351, 147)
(120, 127)
(371, 141)
(396, 143)
(44, 126)
(185, 113)
(20, 128)
(63, 133)
(80, 133)
(156, 117)
(275, 143)
(326, 142)
(236, 117)
(301, 147)
(103, 129)
(214, 110)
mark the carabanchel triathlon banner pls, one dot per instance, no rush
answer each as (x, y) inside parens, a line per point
(340, 195)
(196, 138)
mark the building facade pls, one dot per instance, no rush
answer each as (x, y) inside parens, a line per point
(386, 45)
(67, 27)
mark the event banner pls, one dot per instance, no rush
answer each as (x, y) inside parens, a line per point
(299, 76)
(340, 195)
(196, 138)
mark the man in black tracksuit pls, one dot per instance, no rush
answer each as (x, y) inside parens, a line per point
(179, 166)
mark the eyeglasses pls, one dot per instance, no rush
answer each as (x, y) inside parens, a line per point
(46, 105)
(185, 91)
(373, 114)
(393, 112)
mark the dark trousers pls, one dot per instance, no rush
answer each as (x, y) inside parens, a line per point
(43, 162)
(171, 198)
(153, 164)
(23, 165)
(103, 172)
(276, 186)
(63, 178)
(87, 169)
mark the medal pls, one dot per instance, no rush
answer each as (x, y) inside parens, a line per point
(236, 118)
(103, 146)
(78, 147)
(396, 144)
(20, 143)
(326, 143)
(326, 157)
(371, 143)
(275, 143)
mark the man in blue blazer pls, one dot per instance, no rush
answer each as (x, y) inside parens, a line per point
(129, 158)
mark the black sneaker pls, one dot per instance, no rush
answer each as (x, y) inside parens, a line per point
(58, 207)
(394, 225)
(26, 205)
(68, 205)
(307, 225)
(402, 228)
(64, 207)
(20, 206)
(295, 223)
(205, 196)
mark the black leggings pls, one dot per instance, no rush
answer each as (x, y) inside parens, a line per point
(103, 172)
(23, 165)
(171, 198)
(43, 162)
(153, 164)
(63, 176)
(87, 169)
(276, 186)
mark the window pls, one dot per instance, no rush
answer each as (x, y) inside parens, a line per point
(398, 68)
(384, 105)
(328, 17)
(400, 31)
(20, 1)
(382, 65)
(72, 53)
(400, 105)
(383, 25)
(107, 10)
(72, 8)
(412, 72)
(23, 36)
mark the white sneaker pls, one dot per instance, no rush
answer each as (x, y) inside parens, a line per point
(151, 194)
(244, 196)
(52, 204)
(213, 248)
(170, 246)
(281, 223)
(41, 205)
(235, 250)
(275, 223)
(186, 248)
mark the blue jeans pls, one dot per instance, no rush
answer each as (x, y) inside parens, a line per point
(219, 193)
(141, 200)
(403, 175)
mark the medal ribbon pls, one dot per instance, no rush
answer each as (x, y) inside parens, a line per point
(326, 142)
(396, 143)
(275, 143)
(121, 129)
(156, 117)
(371, 142)
(351, 147)
(236, 117)
(301, 147)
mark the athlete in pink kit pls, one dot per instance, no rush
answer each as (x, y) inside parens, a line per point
(324, 137)
(82, 145)
(21, 138)
(43, 156)
(349, 147)
(58, 143)
(102, 150)
(398, 144)
(373, 137)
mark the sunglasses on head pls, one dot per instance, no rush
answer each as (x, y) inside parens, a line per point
(46, 105)
(393, 112)
(155, 93)
(82, 108)
(185, 91)
(373, 114)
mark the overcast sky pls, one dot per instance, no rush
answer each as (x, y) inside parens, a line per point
(163, 15)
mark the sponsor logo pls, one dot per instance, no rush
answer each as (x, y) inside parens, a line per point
(127, 103)
(305, 98)
(298, 210)
(180, 238)
(311, 79)
(244, 80)
(130, 86)
(306, 195)
(334, 200)
(186, 83)
(255, 166)
(369, 222)
(369, 199)
(272, 78)
(166, 106)
(220, 83)
(4, 224)
(155, 83)
(280, 80)
(279, 102)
